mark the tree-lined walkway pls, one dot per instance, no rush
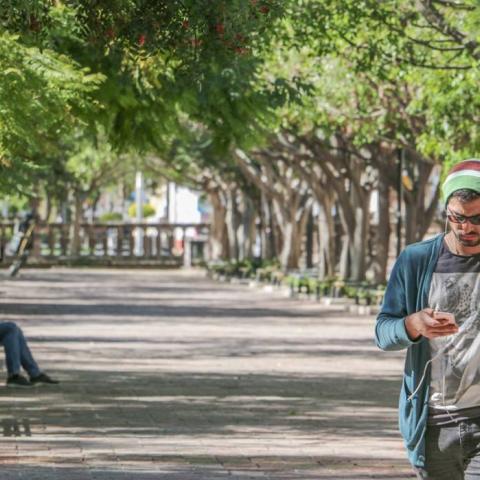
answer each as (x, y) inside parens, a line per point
(169, 375)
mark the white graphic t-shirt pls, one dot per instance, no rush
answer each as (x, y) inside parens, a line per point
(455, 374)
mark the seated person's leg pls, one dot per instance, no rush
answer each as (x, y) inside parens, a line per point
(18, 354)
(29, 364)
(9, 333)
(26, 357)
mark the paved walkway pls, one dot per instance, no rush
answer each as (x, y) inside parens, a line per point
(167, 375)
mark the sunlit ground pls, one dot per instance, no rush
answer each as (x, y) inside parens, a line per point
(169, 375)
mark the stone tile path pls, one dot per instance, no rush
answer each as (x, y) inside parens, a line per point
(167, 375)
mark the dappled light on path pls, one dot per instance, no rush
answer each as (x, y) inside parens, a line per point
(169, 375)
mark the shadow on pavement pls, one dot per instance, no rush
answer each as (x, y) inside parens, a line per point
(130, 404)
(148, 390)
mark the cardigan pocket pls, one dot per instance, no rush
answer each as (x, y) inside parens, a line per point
(410, 411)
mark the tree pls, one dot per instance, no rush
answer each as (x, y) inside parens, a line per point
(39, 91)
(151, 61)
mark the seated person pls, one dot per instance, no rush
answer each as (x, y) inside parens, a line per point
(17, 355)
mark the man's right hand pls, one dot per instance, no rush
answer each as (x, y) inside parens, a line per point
(430, 324)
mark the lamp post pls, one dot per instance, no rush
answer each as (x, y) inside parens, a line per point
(399, 199)
(139, 213)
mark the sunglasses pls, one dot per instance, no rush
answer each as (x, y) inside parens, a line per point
(457, 218)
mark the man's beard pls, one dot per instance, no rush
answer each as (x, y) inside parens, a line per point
(467, 243)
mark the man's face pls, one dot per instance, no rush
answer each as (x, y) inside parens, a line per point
(466, 233)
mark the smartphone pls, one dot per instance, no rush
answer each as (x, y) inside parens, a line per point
(449, 316)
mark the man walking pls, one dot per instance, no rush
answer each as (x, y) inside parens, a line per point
(431, 308)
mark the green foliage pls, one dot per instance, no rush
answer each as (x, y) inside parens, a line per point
(450, 101)
(184, 82)
(16, 204)
(421, 57)
(39, 91)
(110, 217)
(262, 270)
(148, 210)
(152, 61)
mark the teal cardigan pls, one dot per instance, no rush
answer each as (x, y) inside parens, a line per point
(407, 292)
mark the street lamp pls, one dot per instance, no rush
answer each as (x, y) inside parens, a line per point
(400, 158)
(139, 213)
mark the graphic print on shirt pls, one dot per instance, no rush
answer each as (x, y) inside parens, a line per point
(455, 374)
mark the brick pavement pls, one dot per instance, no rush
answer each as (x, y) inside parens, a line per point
(167, 375)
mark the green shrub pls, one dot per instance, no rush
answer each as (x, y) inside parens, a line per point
(110, 217)
(148, 210)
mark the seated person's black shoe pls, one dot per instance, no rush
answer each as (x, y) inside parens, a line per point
(43, 378)
(18, 380)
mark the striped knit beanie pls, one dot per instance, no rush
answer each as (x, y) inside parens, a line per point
(465, 174)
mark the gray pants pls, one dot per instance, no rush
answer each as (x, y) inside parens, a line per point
(452, 452)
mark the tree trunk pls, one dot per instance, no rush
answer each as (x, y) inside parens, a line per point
(288, 228)
(326, 239)
(292, 222)
(429, 215)
(289, 196)
(309, 244)
(346, 237)
(245, 231)
(48, 207)
(418, 216)
(287, 259)
(75, 245)
(411, 219)
(232, 222)
(382, 233)
(34, 203)
(427, 170)
(269, 249)
(95, 201)
(218, 227)
(248, 229)
(304, 214)
(358, 242)
(344, 268)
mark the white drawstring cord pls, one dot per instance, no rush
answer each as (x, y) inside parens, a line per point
(422, 379)
(443, 393)
(441, 352)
